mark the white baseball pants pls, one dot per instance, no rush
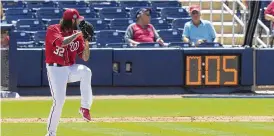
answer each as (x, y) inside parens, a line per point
(58, 78)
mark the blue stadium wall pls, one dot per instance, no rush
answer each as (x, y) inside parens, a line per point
(154, 71)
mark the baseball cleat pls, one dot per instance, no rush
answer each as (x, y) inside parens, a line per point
(85, 114)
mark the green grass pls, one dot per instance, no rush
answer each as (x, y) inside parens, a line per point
(143, 129)
(143, 107)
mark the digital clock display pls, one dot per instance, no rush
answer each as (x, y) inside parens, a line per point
(212, 70)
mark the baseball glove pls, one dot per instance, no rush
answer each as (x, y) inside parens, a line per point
(87, 30)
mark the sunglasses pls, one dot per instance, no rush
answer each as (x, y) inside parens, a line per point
(194, 13)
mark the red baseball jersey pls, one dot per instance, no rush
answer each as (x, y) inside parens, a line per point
(55, 53)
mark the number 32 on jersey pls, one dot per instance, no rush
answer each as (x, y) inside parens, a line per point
(59, 51)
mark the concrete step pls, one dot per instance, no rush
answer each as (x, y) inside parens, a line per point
(216, 16)
(205, 4)
(228, 39)
(215, 5)
(239, 39)
(228, 27)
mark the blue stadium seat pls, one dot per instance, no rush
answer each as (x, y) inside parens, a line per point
(72, 4)
(116, 45)
(29, 44)
(210, 45)
(49, 13)
(109, 36)
(39, 37)
(112, 13)
(174, 13)
(29, 25)
(154, 13)
(13, 14)
(120, 24)
(22, 36)
(160, 24)
(93, 45)
(130, 4)
(12, 4)
(40, 4)
(53, 21)
(100, 4)
(170, 35)
(17, 11)
(86, 12)
(180, 23)
(99, 24)
(179, 44)
(161, 4)
(148, 45)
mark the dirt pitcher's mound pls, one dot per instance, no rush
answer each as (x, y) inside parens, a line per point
(151, 119)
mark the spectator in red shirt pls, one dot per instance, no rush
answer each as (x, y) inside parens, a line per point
(269, 15)
(269, 12)
(142, 31)
(4, 39)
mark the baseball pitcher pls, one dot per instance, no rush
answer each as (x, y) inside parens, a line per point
(65, 41)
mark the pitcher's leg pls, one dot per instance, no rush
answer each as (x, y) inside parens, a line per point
(58, 78)
(83, 74)
(85, 87)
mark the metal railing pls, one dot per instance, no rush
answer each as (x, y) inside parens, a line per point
(235, 18)
(245, 13)
(257, 36)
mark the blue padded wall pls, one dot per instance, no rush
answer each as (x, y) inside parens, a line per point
(157, 67)
(29, 70)
(265, 66)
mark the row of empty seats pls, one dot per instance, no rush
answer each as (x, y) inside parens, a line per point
(13, 14)
(96, 4)
(110, 19)
(100, 24)
(102, 38)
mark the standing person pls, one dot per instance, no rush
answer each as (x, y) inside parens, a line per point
(198, 31)
(63, 43)
(269, 15)
(142, 31)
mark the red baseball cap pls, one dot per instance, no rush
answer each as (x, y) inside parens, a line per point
(194, 8)
(72, 13)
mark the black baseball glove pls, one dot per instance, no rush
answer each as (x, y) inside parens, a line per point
(87, 30)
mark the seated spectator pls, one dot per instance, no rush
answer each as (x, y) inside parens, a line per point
(142, 31)
(269, 15)
(198, 31)
(4, 39)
